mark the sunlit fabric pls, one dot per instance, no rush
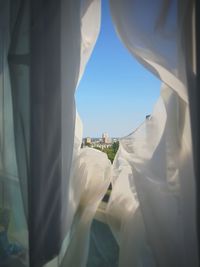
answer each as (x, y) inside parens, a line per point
(91, 178)
(50, 188)
(159, 152)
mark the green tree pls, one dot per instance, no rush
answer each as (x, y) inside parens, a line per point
(110, 151)
(115, 146)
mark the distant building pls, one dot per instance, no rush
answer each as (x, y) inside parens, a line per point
(104, 135)
(101, 143)
(105, 138)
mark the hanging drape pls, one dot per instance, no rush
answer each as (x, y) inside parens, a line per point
(159, 152)
(50, 188)
(44, 48)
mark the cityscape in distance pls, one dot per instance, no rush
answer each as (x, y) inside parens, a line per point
(102, 142)
(105, 144)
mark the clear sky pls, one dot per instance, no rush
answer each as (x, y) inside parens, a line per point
(116, 92)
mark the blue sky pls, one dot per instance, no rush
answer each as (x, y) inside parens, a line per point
(116, 92)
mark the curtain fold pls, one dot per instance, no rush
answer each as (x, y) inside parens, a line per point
(50, 189)
(159, 152)
(13, 204)
(91, 177)
(45, 46)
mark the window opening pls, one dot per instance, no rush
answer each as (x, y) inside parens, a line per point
(115, 95)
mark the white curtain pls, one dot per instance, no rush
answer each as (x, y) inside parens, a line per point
(159, 152)
(13, 210)
(90, 12)
(90, 169)
(45, 46)
(54, 185)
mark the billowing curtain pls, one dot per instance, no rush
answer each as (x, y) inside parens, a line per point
(156, 224)
(44, 46)
(50, 188)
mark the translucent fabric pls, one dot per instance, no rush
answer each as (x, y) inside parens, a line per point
(44, 48)
(155, 181)
(13, 210)
(159, 152)
(153, 32)
(124, 216)
(50, 188)
(91, 178)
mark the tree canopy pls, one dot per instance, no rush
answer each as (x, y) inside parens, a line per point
(110, 151)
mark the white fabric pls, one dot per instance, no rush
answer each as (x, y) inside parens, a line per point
(89, 168)
(90, 27)
(160, 150)
(151, 30)
(91, 178)
(79, 27)
(124, 216)
(10, 191)
(151, 210)
(153, 152)
(152, 203)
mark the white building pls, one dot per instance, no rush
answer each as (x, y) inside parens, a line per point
(105, 138)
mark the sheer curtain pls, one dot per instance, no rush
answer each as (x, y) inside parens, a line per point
(45, 46)
(50, 188)
(159, 152)
(13, 209)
